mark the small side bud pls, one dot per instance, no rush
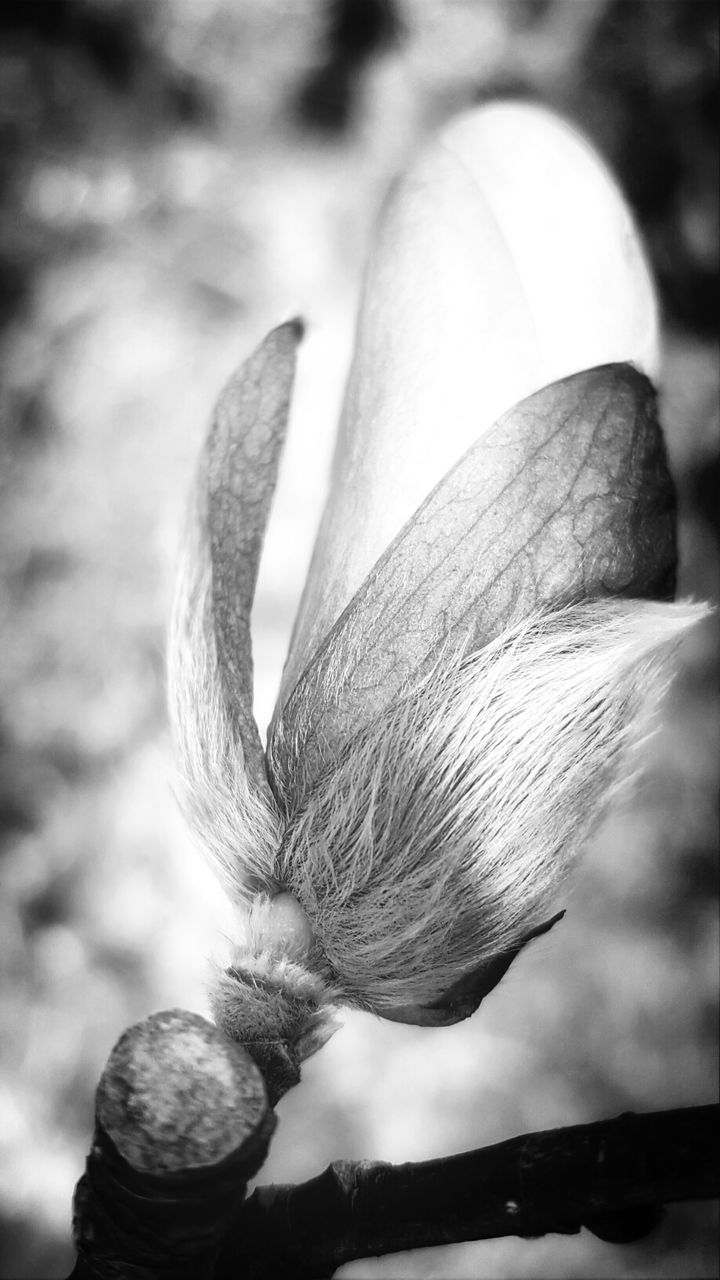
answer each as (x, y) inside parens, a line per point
(272, 1000)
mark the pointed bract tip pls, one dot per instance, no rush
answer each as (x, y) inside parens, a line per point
(297, 326)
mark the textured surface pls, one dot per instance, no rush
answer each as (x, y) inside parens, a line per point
(182, 1124)
(242, 459)
(177, 1094)
(572, 484)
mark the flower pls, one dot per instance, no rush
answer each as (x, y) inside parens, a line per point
(487, 623)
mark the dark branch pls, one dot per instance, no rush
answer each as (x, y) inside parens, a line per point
(181, 1124)
(611, 1177)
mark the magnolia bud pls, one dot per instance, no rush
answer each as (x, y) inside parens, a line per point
(505, 259)
(485, 628)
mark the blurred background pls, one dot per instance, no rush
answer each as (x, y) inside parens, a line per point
(177, 176)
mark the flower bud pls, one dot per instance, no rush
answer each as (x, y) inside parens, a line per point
(505, 259)
(486, 628)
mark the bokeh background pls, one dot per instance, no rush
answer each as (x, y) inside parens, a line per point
(178, 176)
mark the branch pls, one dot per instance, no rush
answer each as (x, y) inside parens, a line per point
(611, 1177)
(181, 1124)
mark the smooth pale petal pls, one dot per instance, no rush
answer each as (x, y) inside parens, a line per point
(505, 258)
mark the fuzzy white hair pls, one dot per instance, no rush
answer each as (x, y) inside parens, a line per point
(441, 835)
(235, 825)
